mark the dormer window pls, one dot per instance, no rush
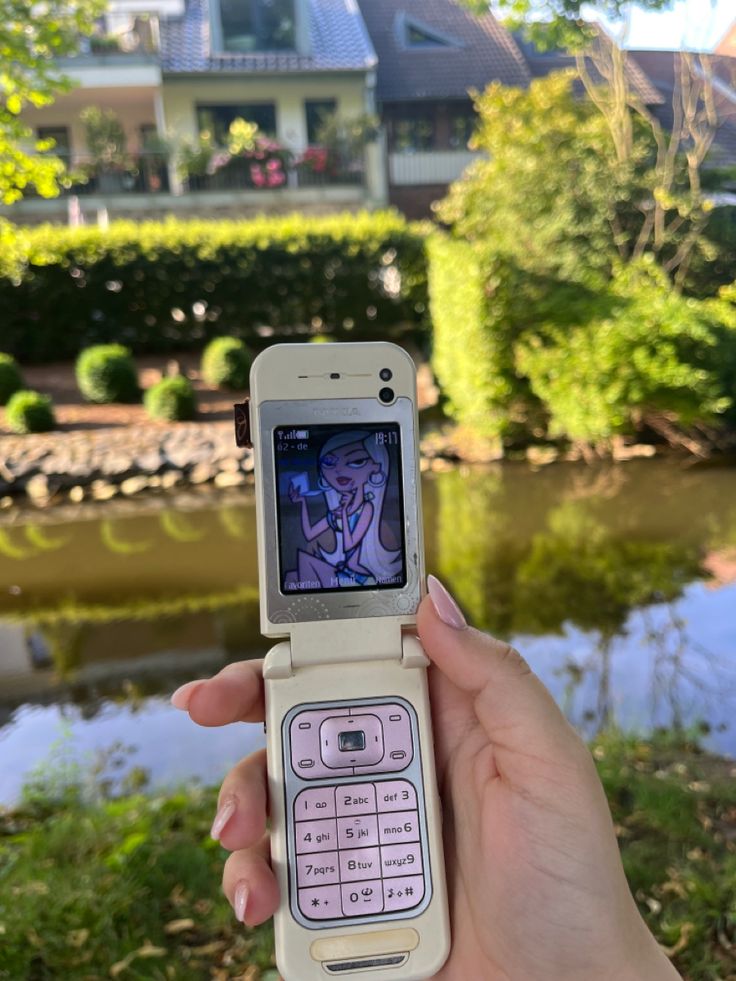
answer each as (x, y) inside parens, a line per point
(414, 34)
(257, 25)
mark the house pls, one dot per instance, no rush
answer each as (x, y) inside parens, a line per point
(431, 54)
(727, 45)
(170, 69)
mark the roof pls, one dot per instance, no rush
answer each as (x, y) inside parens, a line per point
(660, 67)
(542, 63)
(339, 41)
(473, 50)
(727, 44)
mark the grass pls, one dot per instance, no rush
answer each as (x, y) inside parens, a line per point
(130, 888)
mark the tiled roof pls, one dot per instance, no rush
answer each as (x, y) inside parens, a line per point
(659, 66)
(338, 36)
(478, 50)
(542, 63)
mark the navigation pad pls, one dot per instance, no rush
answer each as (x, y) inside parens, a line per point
(358, 849)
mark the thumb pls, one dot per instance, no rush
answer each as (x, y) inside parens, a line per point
(512, 705)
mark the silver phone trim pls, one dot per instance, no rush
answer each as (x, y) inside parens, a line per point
(294, 784)
(348, 603)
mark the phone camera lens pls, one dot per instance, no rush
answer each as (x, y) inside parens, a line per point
(386, 395)
(385, 374)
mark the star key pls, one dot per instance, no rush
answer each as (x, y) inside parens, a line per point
(315, 902)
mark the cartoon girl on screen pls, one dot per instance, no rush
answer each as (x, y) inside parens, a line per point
(353, 473)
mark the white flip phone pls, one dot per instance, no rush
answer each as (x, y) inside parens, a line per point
(355, 814)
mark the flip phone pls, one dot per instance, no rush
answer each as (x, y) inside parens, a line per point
(355, 814)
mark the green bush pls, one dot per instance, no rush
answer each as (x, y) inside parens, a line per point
(30, 412)
(655, 356)
(171, 399)
(467, 354)
(226, 364)
(107, 373)
(165, 286)
(11, 380)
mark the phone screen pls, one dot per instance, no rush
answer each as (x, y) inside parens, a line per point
(340, 508)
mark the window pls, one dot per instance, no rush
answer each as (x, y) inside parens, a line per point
(412, 133)
(416, 37)
(60, 136)
(317, 112)
(257, 25)
(217, 119)
(461, 124)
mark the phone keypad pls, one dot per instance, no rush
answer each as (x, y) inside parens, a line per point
(358, 849)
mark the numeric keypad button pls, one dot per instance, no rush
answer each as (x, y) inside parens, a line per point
(395, 795)
(317, 870)
(401, 860)
(361, 898)
(357, 832)
(405, 892)
(315, 836)
(359, 863)
(356, 798)
(321, 903)
(318, 802)
(398, 826)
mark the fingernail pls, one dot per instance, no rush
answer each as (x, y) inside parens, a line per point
(240, 901)
(445, 606)
(224, 813)
(182, 695)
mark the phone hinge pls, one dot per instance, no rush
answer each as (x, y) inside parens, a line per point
(328, 642)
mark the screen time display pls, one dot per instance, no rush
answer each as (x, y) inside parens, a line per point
(340, 510)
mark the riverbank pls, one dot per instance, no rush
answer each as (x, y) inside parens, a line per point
(131, 887)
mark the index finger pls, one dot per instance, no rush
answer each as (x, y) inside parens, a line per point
(235, 694)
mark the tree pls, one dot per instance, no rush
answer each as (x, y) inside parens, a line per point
(32, 39)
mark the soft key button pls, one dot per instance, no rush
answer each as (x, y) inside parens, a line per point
(304, 739)
(398, 749)
(316, 836)
(316, 803)
(395, 795)
(353, 741)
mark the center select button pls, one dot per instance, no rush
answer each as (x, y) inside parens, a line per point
(351, 733)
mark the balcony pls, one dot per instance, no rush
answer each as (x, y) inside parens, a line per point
(151, 184)
(123, 52)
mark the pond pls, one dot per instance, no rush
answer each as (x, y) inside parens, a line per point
(617, 582)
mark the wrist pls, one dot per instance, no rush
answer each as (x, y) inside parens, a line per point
(647, 962)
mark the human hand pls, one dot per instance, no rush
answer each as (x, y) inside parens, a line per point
(536, 884)
(295, 495)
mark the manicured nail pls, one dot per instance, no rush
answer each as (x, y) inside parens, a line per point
(180, 698)
(445, 606)
(240, 901)
(224, 813)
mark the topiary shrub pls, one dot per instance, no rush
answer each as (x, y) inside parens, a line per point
(226, 364)
(107, 373)
(30, 412)
(171, 399)
(11, 380)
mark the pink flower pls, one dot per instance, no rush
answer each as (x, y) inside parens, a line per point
(257, 176)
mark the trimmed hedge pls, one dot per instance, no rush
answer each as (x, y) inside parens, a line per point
(30, 412)
(171, 399)
(226, 364)
(163, 286)
(107, 373)
(11, 380)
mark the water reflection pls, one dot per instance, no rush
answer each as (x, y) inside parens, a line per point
(619, 583)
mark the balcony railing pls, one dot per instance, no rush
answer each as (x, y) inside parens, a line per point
(123, 37)
(152, 173)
